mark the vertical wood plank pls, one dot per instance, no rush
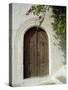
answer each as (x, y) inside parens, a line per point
(42, 53)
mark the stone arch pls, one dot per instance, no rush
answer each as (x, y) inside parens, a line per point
(18, 53)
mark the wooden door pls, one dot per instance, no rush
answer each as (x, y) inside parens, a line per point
(35, 53)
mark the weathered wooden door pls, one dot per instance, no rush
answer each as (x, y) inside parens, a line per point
(36, 61)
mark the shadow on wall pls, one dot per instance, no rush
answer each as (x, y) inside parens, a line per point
(61, 44)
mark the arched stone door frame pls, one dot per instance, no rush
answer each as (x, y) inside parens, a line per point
(18, 46)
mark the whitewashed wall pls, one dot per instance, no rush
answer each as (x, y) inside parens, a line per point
(21, 23)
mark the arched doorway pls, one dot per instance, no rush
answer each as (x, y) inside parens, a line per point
(36, 55)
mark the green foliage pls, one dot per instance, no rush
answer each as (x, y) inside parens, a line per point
(59, 19)
(37, 9)
(59, 15)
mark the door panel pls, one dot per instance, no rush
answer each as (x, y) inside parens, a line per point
(43, 53)
(35, 53)
(29, 54)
